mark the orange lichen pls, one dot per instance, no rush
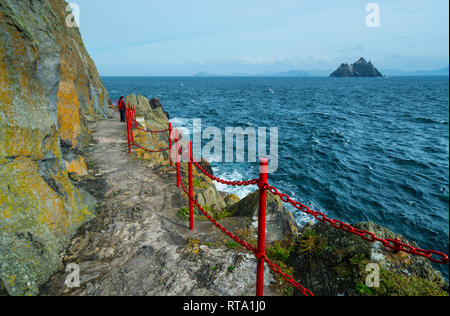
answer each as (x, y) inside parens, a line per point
(77, 166)
(29, 201)
(68, 112)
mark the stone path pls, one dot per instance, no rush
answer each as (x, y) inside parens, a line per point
(138, 244)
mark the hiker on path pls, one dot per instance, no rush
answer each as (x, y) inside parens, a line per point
(122, 108)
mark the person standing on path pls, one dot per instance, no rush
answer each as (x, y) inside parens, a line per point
(122, 108)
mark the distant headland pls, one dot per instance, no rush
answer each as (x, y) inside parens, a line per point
(361, 68)
(344, 70)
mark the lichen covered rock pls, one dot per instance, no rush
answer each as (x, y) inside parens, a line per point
(231, 199)
(331, 262)
(49, 89)
(280, 222)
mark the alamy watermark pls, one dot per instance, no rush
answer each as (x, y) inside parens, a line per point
(73, 279)
(229, 145)
(373, 278)
(373, 19)
(73, 16)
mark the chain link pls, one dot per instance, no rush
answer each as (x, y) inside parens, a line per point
(251, 248)
(364, 234)
(321, 217)
(232, 183)
(275, 268)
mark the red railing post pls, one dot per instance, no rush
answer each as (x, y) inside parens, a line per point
(127, 118)
(260, 253)
(131, 122)
(177, 161)
(191, 190)
(170, 143)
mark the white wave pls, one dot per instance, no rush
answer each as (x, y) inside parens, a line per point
(241, 192)
(181, 122)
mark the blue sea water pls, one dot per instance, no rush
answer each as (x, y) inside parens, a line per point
(357, 149)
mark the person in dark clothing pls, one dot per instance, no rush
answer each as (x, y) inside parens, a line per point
(122, 108)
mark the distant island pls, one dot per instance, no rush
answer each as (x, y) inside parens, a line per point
(344, 70)
(361, 68)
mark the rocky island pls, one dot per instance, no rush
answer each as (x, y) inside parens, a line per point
(71, 194)
(361, 68)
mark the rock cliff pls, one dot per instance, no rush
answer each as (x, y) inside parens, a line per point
(49, 89)
(361, 68)
(331, 262)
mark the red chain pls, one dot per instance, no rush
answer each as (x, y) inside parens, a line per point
(251, 248)
(275, 268)
(150, 151)
(232, 183)
(364, 234)
(145, 130)
(224, 230)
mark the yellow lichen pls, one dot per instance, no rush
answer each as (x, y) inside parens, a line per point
(77, 166)
(68, 112)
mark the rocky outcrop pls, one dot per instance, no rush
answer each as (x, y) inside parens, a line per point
(361, 68)
(231, 199)
(156, 103)
(151, 111)
(280, 223)
(331, 262)
(152, 120)
(150, 114)
(49, 89)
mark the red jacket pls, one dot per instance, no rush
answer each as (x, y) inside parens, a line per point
(121, 105)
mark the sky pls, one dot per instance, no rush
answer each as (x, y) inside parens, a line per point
(181, 37)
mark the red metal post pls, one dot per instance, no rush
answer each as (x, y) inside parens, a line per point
(131, 123)
(132, 114)
(128, 130)
(263, 166)
(191, 190)
(170, 143)
(177, 162)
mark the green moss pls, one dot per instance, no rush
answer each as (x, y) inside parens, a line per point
(281, 250)
(395, 284)
(231, 244)
(311, 242)
(223, 214)
(279, 253)
(183, 213)
(199, 184)
(363, 289)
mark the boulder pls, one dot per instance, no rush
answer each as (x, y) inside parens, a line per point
(155, 103)
(231, 199)
(280, 222)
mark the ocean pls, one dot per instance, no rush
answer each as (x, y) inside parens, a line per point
(357, 149)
